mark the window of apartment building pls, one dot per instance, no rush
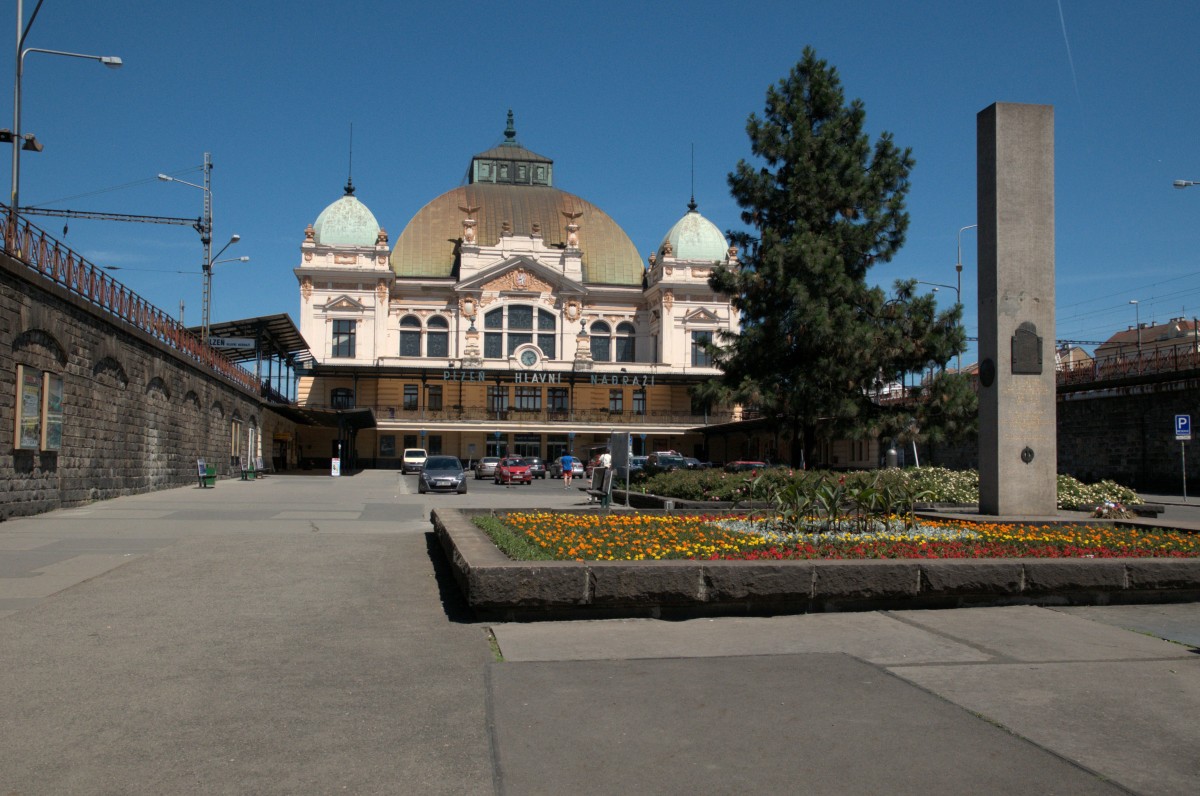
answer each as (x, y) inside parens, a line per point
(700, 356)
(411, 392)
(616, 400)
(625, 342)
(410, 336)
(557, 400)
(507, 328)
(434, 401)
(601, 334)
(343, 339)
(437, 339)
(434, 446)
(528, 399)
(410, 440)
(341, 398)
(527, 445)
(639, 401)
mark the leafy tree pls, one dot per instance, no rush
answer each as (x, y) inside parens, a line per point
(826, 205)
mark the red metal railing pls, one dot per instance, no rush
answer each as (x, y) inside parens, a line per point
(1160, 360)
(31, 245)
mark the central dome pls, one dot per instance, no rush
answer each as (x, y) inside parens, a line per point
(508, 183)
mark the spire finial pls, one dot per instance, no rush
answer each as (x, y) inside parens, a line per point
(692, 204)
(350, 169)
(510, 132)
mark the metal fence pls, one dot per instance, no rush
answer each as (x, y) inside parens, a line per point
(43, 254)
(1159, 360)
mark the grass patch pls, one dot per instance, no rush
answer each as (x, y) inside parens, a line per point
(512, 543)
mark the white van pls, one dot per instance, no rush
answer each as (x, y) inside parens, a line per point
(413, 460)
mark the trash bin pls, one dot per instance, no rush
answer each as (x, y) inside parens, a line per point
(210, 476)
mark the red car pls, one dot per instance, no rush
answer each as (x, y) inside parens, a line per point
(513, 471)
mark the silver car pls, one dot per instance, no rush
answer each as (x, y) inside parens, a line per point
(486, 467)
(555, 468)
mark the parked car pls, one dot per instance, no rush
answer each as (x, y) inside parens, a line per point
(442, 474)
(486, 467)
(513, 471)
(555, 470)
(537, 467)
(413, 460)
(695, 464)
(667, 462)
(636, 464)
(742, 466)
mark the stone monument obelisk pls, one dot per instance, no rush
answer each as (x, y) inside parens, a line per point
(1018, 449)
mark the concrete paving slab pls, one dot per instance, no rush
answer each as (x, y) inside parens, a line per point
(871, 636)
(813, 724)
(1027, 633)
(1173, 622)
(1134, 722)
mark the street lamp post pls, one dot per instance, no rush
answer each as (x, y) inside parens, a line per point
(15, 136)
(1137, 321)
(958, 274)
(204, 227)
(957, 300)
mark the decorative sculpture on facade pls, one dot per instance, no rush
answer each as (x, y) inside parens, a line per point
(306, 288)
(310, 234)
(572, 228)
(469, 223)
(506, 229)
(731, 256)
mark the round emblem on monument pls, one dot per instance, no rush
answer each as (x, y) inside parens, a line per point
(528, 358)
(1027, 454)
(987, 372)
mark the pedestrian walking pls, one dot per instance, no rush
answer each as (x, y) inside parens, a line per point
(568, 465)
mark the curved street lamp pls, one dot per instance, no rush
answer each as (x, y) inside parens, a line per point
(28, 141)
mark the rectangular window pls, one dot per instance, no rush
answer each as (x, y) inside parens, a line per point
(527, 445)
(616, 400)
(437, 345)
(520, 317)
(547, 344)
(410, 397)
(515, 340)
(493, 345)
(556, 446)
(410, 344)
(410, 440)
(497, 398)
(624, 349)
(528, 399)
(700, 356)
(639, 402)
(435, 444)
(387, 446)
(556, 399)
(435, 398)
(343, 339)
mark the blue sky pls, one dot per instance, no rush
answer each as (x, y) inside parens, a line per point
(617, 93)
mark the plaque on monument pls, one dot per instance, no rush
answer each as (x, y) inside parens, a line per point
(1026, 351)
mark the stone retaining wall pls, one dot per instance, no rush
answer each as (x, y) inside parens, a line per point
(496, 587)
(136, 413)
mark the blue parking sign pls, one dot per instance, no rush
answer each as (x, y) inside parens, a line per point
(1183, 427)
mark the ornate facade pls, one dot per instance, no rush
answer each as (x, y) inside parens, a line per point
(508, 317)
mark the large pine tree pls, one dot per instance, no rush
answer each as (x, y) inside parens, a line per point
(825, 205)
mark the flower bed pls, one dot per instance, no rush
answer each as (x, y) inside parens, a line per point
(640, 537)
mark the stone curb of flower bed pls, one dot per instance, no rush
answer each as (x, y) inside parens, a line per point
(496, 587)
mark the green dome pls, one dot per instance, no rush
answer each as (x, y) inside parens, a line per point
(346, 222)
(694, 237)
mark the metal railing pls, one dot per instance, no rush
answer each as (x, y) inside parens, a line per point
(43, 254)
(386, 413)
(1159, 360)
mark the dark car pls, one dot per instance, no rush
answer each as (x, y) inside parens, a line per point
(660, 462)
(742, 466)
(486, 467)
(537, 467)
(636, 463)
(695, 464)
(513, 471)
(442, 474)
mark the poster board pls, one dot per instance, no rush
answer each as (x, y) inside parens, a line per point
(52, 411)
(27, 431)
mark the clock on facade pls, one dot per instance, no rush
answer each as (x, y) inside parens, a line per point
(528, 358)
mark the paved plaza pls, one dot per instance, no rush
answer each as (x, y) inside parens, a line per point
(301, 634)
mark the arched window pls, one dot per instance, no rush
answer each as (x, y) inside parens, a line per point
(601, 334)
(437, 339)
(410, 336)
(507, 328)
(626, 342)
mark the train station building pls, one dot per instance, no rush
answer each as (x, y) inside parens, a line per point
(509, 316)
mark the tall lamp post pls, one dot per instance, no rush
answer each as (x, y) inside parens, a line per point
(1137, 321)
(205, 230)
(957, 299)
(28, 141)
